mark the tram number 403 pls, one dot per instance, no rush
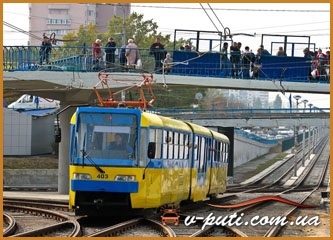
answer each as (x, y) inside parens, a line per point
(102, 176)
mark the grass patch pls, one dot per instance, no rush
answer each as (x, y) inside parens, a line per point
(31, 162)
(261, 167)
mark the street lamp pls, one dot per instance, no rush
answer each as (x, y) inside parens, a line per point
(124, 28)
(305, 102)
(297, 97)
(310, 106)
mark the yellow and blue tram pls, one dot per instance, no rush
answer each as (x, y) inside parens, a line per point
(171, 161)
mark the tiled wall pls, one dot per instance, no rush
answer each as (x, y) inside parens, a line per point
(16, 133)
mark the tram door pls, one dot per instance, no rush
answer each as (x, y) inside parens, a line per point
(201, 159)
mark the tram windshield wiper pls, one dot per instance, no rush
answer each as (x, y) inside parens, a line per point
(85, 155)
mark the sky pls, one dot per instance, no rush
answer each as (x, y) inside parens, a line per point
(302, 19)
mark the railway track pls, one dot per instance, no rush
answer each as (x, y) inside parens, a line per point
(271, 212)
(26, 221)
(278, 176)
(135, 227)
(24, 218)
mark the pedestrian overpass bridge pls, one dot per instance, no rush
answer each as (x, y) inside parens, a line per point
(71, 69)
(70, 78)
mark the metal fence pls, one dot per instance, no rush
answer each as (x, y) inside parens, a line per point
(189, 63)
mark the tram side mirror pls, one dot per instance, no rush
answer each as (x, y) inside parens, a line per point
(57, 135)
(151, 150)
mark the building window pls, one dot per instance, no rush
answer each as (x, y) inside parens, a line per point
(90, 13)
(56, 21)
(58, 11)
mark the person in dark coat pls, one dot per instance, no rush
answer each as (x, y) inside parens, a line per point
(157, 49)
(45, 50)
(122, 56)
(110, 49)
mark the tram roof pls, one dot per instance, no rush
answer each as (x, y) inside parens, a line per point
(150, 119)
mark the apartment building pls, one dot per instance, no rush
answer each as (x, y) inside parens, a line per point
(62, 18)
(248, 98)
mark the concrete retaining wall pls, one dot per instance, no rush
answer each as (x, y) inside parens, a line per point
(246, 149)
(41, 178)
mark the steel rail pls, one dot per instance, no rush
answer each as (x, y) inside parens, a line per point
(121, 227)
(65, 220)
(10, 229)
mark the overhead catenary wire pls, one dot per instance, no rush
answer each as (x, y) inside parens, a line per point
(232, 9)
(216, 15)
(229, 9)
(209, 17)
(22, 30)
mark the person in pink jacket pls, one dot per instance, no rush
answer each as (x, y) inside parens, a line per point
(132, 53)
(96, 53)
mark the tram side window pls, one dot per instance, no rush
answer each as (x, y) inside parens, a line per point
(202, 154)
(208, 149)
(170, 145)
(213, 150)
(181, 146)
(225, 152)
(73, 143)
(226, 155)
(165, 144)
(156, 136)
(222, 151)
(186, 146)
(159, 137)
(196, 147)
(218, 151)
(143, 146)
(176, 145)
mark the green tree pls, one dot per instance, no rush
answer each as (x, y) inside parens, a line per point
(83, 36)
(176, 97)
(214, 99)
(142, 31)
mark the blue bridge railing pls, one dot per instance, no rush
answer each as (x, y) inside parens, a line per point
(189, 63)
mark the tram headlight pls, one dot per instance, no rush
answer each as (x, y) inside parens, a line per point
(125, 178)
(81, 176)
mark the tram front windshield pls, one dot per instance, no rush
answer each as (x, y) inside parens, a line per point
(107, 136)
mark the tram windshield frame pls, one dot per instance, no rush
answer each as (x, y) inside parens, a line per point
(97, 131)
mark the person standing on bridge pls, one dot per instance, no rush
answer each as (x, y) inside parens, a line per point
(157, 50)
(225, 59)
(132, 53)
(110, 49)
(167, 63)
(96, 54)
(235, 55)
(45, 50)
